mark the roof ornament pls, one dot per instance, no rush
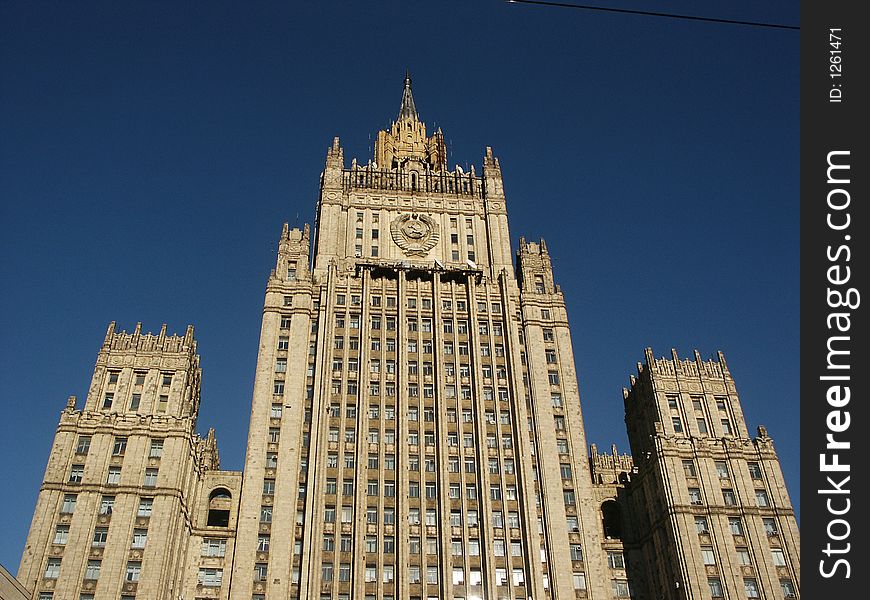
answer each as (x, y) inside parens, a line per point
(408, 110)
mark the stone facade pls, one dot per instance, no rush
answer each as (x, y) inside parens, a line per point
(416, 432)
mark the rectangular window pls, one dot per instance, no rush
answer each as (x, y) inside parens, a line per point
(146, 506)
(52, 568)
(210, 577)
(114, 476)
(689, 468)
(61, 534)
(92, 571)
(214, 547)
(76, 473)
(134, 568)
(101, 534)
(83, 445)
(107, 505)
(156, 449)
(754, 470)
(615, 560)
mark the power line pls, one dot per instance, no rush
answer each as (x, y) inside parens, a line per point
(651, 14)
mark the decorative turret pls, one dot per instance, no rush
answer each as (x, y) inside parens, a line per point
(405, 146)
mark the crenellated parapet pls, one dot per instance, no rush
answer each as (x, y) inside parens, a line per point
(610, 468)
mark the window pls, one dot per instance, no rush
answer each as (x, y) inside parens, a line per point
(729, 497)
(283, 342)
(707, 555)
(135, 400)
(146, 505)
(762, 498)
(140, 538)
(621, 588)
(107, 505)
(76, 473)
(689, 468)
(134, 568)
(371, 574)
(114, 476)
(615, 560)
(743, 557)
(214, 547)
(61, 534)
(261, 571)
(150, 478)
(702, 426)
(678, 424)
(210, 577)
(750, 586)
(701, 525)
(432, 575)
(787, 588)
(107, 401)
(770, 527)
(722, 469)
(754, 470)
(579, 580)
(101, 534)
(726, 426)
(156, 450)
(778, 557)
(52, 568)
(268, 487)
(92, 571)
(83, 445)
(263, 543)
(735, 525)
(576, 552)
(553, 377)
(695, 496)
(715, 586)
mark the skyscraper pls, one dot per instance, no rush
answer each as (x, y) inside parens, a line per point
(416, 431)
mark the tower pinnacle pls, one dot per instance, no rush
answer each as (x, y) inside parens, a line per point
(408, 110)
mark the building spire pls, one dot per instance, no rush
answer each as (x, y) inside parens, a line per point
(408, 110)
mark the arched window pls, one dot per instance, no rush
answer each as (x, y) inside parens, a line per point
(611, 517)
(219, 504)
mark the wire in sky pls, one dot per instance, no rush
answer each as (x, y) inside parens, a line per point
(652, 14)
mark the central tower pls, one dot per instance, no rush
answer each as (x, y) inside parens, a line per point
(416, 428)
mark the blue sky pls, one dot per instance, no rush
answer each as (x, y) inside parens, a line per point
(151, 151)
